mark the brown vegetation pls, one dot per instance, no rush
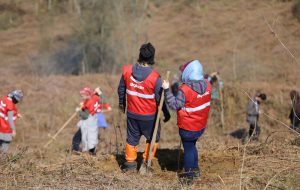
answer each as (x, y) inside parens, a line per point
(229, 36)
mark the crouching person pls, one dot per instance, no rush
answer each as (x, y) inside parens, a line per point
(141, 86)
(192, 104)
(88, 123)
(8, 116)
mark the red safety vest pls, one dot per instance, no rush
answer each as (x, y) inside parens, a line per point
(193, 116)
(92, 104)
(140, 94)
(6, 105)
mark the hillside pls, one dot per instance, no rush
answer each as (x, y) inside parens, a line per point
(231, 37)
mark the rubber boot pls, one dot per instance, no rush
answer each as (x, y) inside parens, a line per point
(143, 168)
(146, 152)
(130, 156)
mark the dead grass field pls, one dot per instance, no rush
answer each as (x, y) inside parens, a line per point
(229, 36)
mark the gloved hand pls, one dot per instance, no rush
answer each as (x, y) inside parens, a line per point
(167, 115)
(122, 108)
(165, 84)
(98, 91)
(77, 109)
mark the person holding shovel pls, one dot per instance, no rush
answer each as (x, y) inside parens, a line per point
(192, 104)
(8, 117)
(141, 86)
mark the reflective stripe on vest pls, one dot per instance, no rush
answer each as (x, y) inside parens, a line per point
(201, 107)
(140, 95)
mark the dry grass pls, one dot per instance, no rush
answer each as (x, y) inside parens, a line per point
(229, 36)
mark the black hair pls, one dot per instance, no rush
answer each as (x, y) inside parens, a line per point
(14, 100)
(262, 96)
(147, 53)
(213, 79)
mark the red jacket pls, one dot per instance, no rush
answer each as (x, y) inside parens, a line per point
(193, 116)
(140, 95)
(6, 105)
(92, 104)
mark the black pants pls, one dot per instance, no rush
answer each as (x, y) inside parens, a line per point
(251, 130)
(137, 128)
(76, 140)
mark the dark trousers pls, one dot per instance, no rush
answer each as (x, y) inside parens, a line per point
(137, 128)
(76, 140)
(189, 139)
(254, 126)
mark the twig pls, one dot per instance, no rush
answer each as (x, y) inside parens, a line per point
(222, 180)
(269, 182)
(244, 154)
(277, 37)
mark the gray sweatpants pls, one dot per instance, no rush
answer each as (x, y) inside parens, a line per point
(4, 145)
(5, 140)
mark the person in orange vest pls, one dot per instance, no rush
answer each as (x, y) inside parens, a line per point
(8, 117)
(142, 87)
(192, 104)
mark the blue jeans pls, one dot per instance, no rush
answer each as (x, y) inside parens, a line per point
(189, 139)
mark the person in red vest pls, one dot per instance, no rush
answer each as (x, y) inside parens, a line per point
(97, 105)
(192, 104)
(142, 87)
(88, 123)
(8, 117)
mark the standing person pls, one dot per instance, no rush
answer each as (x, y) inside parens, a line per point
(295, 110)
(217, 85)
(102, 106)
(8, 116)
(141, 86)
(253, 111)
(88, 123)
(192, 104)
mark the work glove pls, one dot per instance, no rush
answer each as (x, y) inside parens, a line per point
(165, 84)
(167, 115)
(78, 109)
(122, 108)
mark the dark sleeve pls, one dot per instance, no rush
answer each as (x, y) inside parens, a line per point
(84, 114)
(173, 102)
(291, 116)
(122, 92)
(158, 90)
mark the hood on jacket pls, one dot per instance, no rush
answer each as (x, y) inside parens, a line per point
(140, 73)
(192, 72)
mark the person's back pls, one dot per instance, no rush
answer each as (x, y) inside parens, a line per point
(140, 85)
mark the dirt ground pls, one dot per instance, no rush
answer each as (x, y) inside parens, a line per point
(229, 36)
